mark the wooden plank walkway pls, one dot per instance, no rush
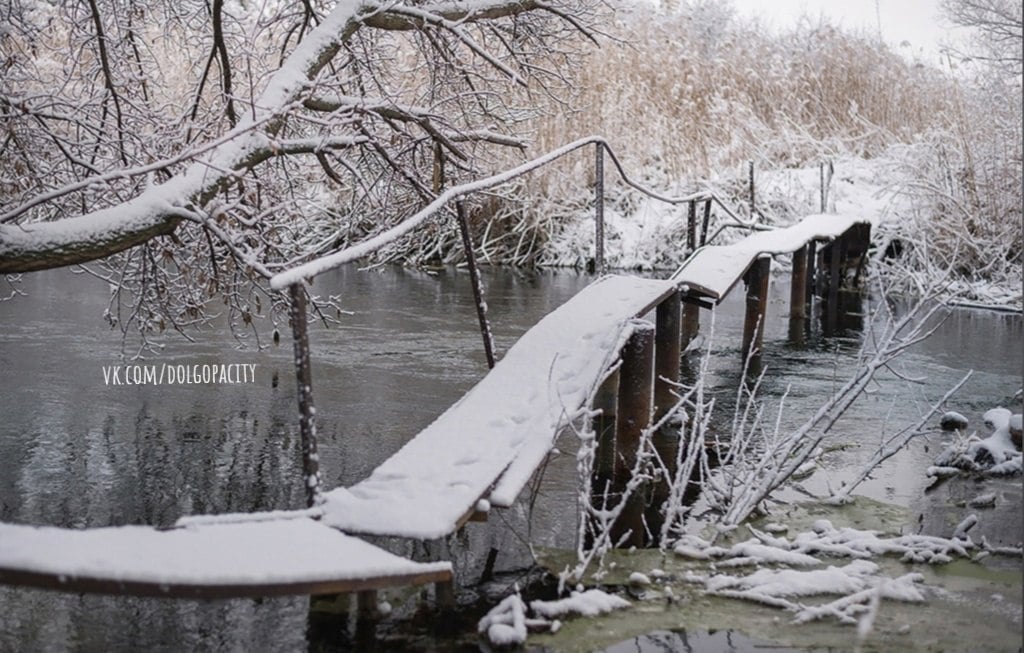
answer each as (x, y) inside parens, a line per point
(504, 426)
(248, 559)
(714, 270)
(482, 451)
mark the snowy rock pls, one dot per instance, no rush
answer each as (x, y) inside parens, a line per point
(821, 526)
(691, 546)
(997, 418)
(789, 582)
(983, 501)
(505, 624)
(755, 553)
(589, 604)
(953, 421)
(639, 580)
(999, 453)
(967, 524)
(1015, 430)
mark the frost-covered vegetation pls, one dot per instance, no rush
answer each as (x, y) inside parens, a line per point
(208, 149)
(686, 97)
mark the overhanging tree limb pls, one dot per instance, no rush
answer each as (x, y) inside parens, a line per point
(30, 245)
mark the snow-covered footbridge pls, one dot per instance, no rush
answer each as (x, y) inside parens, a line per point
(476, 456)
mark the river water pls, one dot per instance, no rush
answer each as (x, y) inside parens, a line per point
(78, 452)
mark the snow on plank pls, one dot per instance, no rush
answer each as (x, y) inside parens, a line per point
(267, 558)
(504, 426)
(714, 270)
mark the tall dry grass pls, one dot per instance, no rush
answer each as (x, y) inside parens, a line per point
(690, 95)
(698, 91)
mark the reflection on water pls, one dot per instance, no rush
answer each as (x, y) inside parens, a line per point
(77, 453)
(681, 641)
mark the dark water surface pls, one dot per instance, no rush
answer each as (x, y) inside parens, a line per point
(76, 452)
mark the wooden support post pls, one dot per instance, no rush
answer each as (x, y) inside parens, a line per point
(757, 301)
(601, 479)
(798, 297)
(304, 378)
(666, 354)
(834, 256)
(667, 339)
(812, 274)
(861, 245)
(691, 226)
(599, 209)
(704, 223)
(367, 617)
(478, 286)
(835, 268)
(366, 604)
(798, 289)
(821, 266)
(636, 380)
(444, 595)
(690, 322)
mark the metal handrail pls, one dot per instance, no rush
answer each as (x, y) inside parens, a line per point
(359, 250)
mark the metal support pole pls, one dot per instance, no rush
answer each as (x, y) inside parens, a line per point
(821, 175)
(691, 226)
(636, 378)
(666, 354)
(478, 286)
(304, 378)
(757, 302)
(704, 224)
(751, 179)
(599, 209)
(826, 171)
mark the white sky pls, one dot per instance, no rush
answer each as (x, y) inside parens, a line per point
(917, 21)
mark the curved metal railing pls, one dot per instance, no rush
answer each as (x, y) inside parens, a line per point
(456, 193)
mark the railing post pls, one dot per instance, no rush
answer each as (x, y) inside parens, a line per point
(691, 225)
(757, 302)
(478, 286)
(304, 378)
(751, 180)
(704, 224)
(826, 181)
(599, 209)
(821, 181)
(636, 378)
